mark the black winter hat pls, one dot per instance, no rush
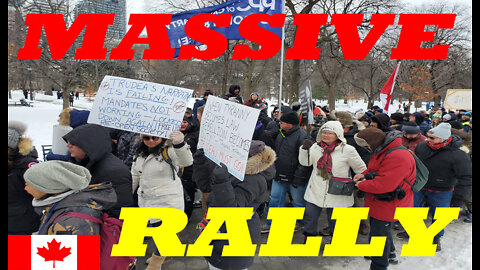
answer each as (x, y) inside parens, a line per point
(411, 128)
(290, 118)
(397, 117)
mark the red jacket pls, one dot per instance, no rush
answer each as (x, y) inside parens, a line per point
(392, 169)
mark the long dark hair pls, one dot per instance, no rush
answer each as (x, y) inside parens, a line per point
(143, 151)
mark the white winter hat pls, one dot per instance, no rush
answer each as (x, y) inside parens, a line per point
(443, 131)
(57, 176)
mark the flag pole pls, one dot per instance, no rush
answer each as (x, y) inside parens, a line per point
(281, 65)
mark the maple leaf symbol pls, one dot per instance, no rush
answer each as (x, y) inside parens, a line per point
(54, 252)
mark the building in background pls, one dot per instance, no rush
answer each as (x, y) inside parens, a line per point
(118, 7)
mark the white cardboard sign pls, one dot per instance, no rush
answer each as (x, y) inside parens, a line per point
(226, 132)
(142, 107)
(457, 99)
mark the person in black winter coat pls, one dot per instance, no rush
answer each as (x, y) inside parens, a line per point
(22, 219)
(290, 175)
(448, 166)
(234, 91)
(228, 191)
(90, 147)
(191, 138)
(419, 118)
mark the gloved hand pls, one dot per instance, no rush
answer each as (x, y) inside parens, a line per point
(201, 174)
(199, 158)
(307, 144)
(176, 137)
(220, 174)
(370, 176)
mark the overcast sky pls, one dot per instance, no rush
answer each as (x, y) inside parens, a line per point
(136, 6)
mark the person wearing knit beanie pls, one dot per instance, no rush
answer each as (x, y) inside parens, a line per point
(370, 138)
(16, 129)
(54, 177)
(290, 118)
(442, 131)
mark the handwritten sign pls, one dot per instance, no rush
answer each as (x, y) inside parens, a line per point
(226, 133)
(139, 106)
(457, 99)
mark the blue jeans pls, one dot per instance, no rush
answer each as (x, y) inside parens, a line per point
(278, 193)
(434, 200)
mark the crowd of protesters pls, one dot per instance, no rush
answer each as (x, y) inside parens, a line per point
(344, 159)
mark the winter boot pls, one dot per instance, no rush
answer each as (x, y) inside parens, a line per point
(155, 262)
(364, 228)
(403, 235)
(392, 258)
(436, 240)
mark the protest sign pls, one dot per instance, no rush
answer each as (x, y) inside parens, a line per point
(305, 96)
(458, 99)
(139, 106)
(226, 133)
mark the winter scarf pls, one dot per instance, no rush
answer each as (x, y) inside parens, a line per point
(324, 164)
(440, 145)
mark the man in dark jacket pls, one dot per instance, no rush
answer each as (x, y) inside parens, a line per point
(448, 167)
(290, 176)
(419, 118)
(90, 146)
(234, 91)
(191, 138)
(227, 191)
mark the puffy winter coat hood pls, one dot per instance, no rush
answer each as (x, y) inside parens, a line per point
(336, 126)
(261, 162)
(93, 139)
(390, 137)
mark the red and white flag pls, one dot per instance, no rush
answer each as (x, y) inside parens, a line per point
(387, 90)
(54, 252)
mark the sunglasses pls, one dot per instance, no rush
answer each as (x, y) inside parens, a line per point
(148, 138)
(431, 138)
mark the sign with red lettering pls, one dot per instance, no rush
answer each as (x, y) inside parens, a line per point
(139, 106)
(226, 133)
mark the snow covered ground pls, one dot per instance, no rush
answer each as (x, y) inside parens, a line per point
(456, 244)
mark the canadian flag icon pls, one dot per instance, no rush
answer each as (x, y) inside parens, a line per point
(53, 252)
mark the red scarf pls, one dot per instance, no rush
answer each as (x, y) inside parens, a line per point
(440, 145)
(324, 164)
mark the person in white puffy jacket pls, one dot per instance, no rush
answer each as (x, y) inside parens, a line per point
(155, 173)
(331, 157)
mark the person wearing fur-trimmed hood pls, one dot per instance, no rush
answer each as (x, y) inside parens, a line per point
(228, 191)
(22, 218)
(331, 158)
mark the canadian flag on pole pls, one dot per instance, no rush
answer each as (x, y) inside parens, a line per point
(54, 252)
(387, 90)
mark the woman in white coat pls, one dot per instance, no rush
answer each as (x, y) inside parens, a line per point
(331, 157)
(154, 172)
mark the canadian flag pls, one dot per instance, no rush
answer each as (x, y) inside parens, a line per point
(54, 252)
(387, 90)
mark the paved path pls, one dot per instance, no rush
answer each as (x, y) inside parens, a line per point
(189, 235)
